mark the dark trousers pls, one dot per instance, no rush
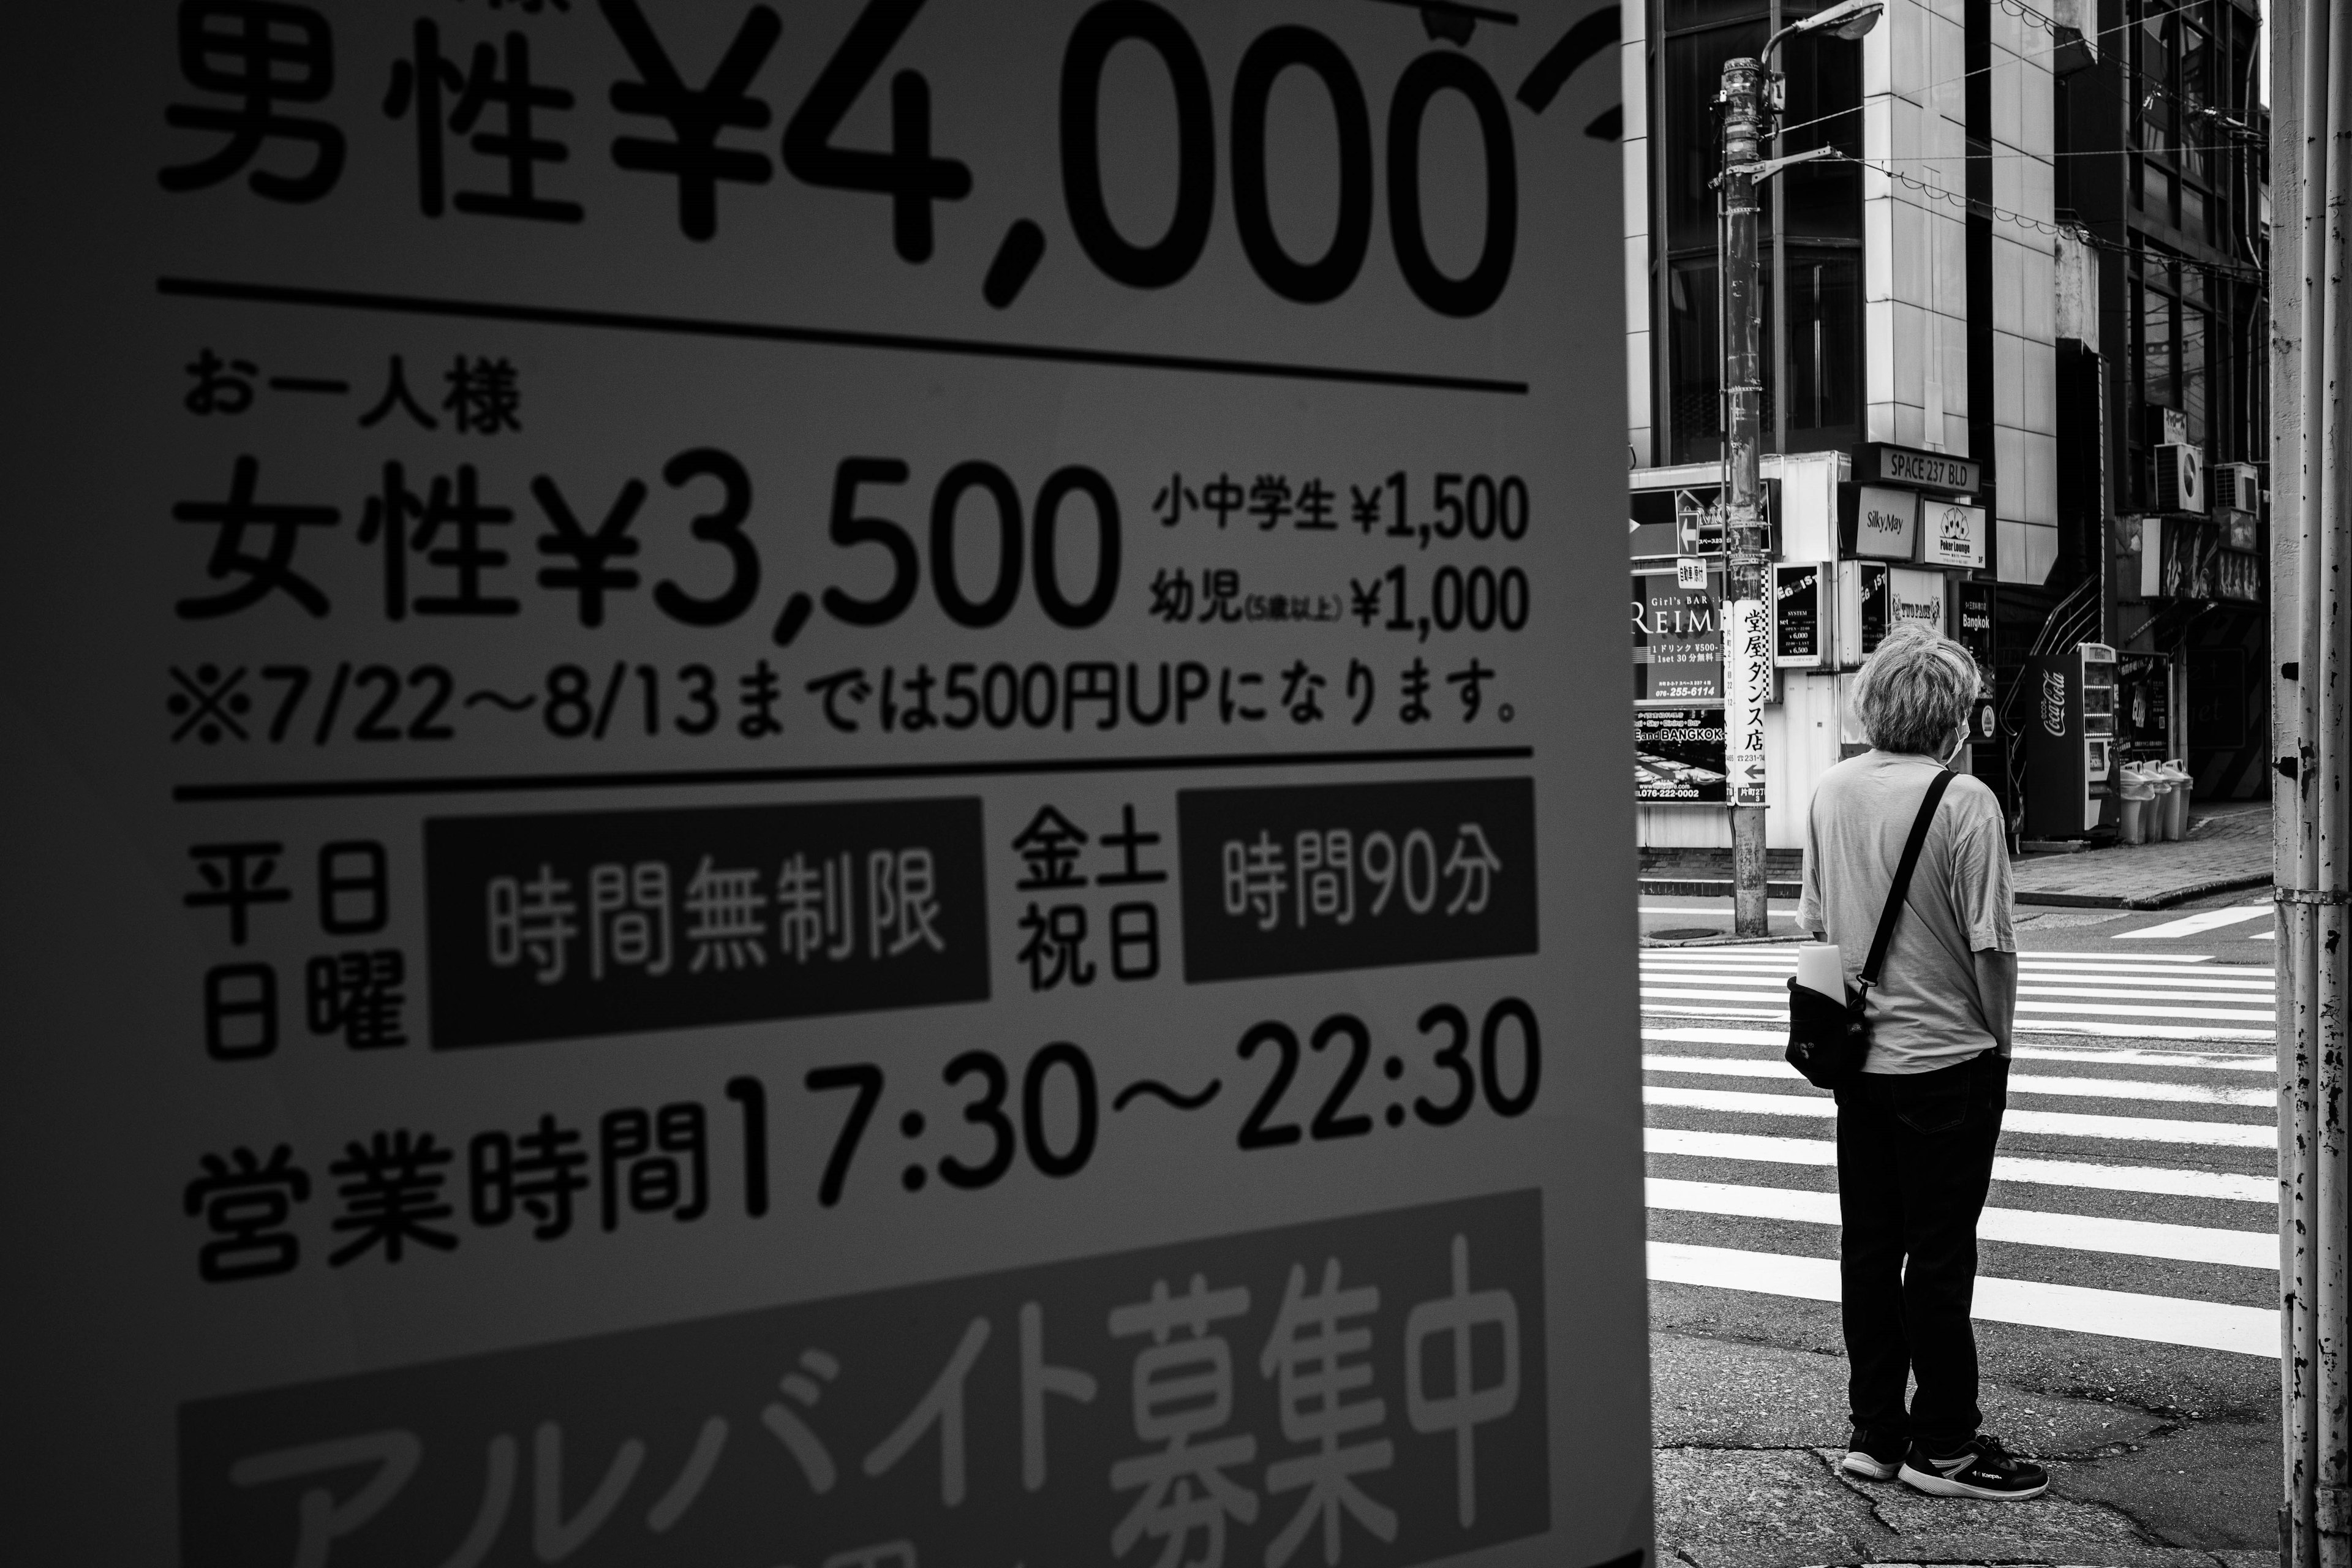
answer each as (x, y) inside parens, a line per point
(1915, 1158)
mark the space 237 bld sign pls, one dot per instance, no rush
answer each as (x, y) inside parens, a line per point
(815, 774)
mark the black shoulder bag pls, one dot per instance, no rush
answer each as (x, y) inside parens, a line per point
(1828, 1040)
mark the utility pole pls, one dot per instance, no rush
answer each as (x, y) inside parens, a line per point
(1747, 677)
(2311, 652)
(1747, 618)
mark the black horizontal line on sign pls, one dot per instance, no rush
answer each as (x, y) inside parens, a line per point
(512, 784)
(1480, 12)
(826, 337)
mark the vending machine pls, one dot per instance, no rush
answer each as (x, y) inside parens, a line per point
(2070, 742)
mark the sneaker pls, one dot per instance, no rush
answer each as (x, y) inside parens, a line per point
(1872, 1457)
(1979, 1467)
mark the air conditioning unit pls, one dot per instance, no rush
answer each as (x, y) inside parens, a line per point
(2236, 487)
(2179, 478)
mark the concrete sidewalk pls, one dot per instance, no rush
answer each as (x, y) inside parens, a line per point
(1743, 1481)
(2228, 847)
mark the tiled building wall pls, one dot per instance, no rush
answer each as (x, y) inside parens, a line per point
(2025, 295)
(1640, 363)
(1915, 261)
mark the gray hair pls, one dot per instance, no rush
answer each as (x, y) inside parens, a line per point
(1915, 691)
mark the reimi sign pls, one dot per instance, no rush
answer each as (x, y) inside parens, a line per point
(819, 784)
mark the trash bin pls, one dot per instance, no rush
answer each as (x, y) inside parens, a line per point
(2137, 802)
(2176, 803)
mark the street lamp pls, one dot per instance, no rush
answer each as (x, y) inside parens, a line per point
(1747, 621)
(1850, 20)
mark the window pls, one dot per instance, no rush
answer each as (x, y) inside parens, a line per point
(2157, 387)
(1825, 345)
(1694, 363)
(1820, 207)
(1825, 350)
(2192, 372)
(2176, 80)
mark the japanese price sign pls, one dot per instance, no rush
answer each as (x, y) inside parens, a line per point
(819, 785)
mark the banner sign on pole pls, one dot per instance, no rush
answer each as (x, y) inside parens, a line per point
(1748, 665)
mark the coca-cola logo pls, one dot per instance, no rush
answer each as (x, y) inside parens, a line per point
(2054, 702)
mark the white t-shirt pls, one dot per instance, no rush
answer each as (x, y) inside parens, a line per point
(1924, 1012)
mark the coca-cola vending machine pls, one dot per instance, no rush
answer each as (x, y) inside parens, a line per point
(2070, 742)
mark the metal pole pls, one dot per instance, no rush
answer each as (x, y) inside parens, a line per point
(2312, 850)
(2332, 1421)
(1747, 675)
(1780, 278)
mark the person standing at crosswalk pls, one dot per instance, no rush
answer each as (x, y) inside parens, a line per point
(1917, 1128)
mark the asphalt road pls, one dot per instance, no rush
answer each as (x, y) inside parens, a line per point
(2153, 1115)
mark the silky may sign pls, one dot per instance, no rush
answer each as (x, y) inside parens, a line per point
(809, 784)
(1883, 523)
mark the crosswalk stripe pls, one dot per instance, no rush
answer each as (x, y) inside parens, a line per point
(2088, 1009)
(2202, 921)
(2169, 998)
(2203, 980)
(2036, 975)
(2167, 990)
(1773, 1040)
(1784, 955)
(2199, 982)
(2250, 1009)
(2024, 1025)
(2120, 1314)
(2031, 986)
(2051, 1123)
(2123, 1010)
(2030, 1227)
(2018, 1083)
(2162, 1180)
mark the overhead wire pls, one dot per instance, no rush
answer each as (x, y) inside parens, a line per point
(2034, 54)
(2046, 226)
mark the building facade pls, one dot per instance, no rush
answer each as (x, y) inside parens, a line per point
(2007, 290)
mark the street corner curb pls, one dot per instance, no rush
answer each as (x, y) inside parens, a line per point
(1725, 941)
(2162, 899)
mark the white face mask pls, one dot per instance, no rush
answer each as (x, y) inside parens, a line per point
(1959, 740)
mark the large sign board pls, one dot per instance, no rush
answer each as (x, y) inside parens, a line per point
(1679, 757)
(1878, 522)
(801, 784)
(1677, 638)
(1952, 534)
(1883, 462)
(1801, 602)
(1687, 520)
(2190, 558)
(1919, 598)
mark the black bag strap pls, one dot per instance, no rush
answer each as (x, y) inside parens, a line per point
(1901, 891)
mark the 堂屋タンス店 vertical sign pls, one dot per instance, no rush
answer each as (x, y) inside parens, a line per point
(803, 783)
